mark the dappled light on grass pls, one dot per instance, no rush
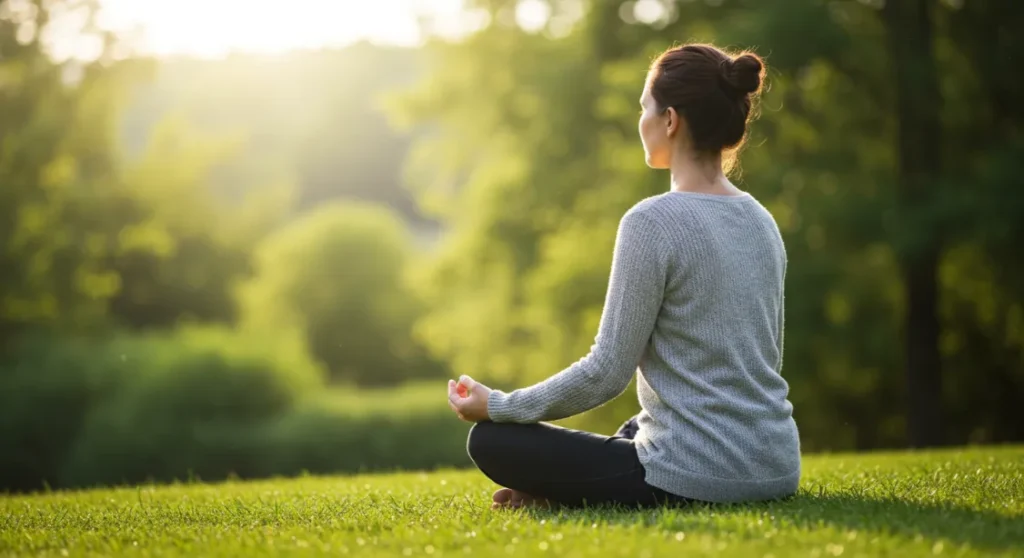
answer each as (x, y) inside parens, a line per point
(960, 503)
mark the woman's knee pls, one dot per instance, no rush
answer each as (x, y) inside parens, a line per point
(482, 442)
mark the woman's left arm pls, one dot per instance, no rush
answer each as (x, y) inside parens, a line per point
(635, 291)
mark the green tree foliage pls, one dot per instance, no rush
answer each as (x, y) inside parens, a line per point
(87, 239)
(189, 249)
(337, 276)
(60, 210)
(538, 157)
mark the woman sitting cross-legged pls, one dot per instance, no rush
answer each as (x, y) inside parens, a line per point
(694, 305)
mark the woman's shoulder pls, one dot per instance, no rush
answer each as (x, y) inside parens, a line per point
(650, 205)
(645, 212)
(649, 216)
(659, 208)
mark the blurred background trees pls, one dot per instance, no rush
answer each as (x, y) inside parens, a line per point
(264, 264)
(336, 276)
(852, 154)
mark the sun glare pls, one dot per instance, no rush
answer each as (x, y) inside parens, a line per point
(212, 28)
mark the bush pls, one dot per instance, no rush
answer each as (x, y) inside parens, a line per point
(47, 389)
(125, 408)
(204, 403)
(164, 423)
(337, 275)
(368, 430)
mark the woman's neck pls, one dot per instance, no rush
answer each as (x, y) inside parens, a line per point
(702, 175)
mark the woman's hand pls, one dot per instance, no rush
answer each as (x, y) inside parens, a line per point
(468, 398)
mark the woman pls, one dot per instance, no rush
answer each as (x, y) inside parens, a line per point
(694, 302)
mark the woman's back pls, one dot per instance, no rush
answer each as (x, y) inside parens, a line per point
(716, 423)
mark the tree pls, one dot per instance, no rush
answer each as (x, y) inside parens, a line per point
(189, 247)
(336, 276)
(61, 207)
(909, 25)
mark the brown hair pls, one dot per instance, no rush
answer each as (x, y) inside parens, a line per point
(713, 91)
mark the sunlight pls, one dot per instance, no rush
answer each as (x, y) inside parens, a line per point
(211, 28)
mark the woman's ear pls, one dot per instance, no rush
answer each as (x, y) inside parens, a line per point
(671, 122)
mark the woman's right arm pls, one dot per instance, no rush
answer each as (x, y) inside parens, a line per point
(635, 290)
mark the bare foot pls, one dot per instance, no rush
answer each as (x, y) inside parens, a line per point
(501, 498)
(508, 498)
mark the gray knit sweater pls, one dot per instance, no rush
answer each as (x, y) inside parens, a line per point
(695, 305)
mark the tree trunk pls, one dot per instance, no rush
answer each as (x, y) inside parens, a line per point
(909, 27)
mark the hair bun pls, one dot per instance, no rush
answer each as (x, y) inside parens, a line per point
(743, 74)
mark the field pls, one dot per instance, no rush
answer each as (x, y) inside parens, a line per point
(946, 503)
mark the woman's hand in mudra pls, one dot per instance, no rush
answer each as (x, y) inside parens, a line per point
(468, 398)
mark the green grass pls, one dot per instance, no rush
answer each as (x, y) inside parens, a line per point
(949, 503)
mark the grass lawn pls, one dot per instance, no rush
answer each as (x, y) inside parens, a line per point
(948, 503)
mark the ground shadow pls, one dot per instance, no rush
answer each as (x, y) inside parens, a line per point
(980, 529)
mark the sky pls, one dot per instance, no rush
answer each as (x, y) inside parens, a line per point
(211, 28)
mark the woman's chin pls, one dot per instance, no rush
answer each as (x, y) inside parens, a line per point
(653, 164)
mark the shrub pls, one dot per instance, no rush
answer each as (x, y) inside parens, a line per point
(47, 388)
(191, 390)
(203, 403)
(337, 275)
(124, 408)
(366, 430)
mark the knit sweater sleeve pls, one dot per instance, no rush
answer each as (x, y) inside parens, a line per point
(635, 290)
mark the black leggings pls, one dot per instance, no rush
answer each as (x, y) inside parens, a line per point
(567, 467)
